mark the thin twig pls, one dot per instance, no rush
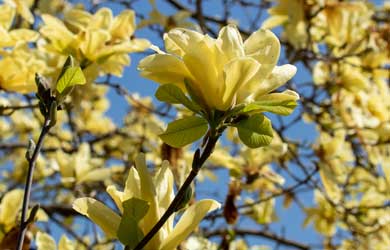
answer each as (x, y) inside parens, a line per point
(260, 233)
(29, 179)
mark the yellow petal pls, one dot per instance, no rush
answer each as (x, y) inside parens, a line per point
(178, 40)
(133, 185)
(24, 35)
(15, 75)
(7, 14)
(138, 44)
(202, 61)
(263, 46)
(279, 76)
(100, 214)
(188, 222)
(114, 64)
(95, 40)
(321, 73)
(9, 208)
(354, 80)
(135, 45)
(81, 160)
(78, 18)
(165, 185)
(117, 196)
(99, 174)
(22, 8)
(238, 73)
(56, 32)
(164, 69)
(148, 193)
(329, 182)
(5, 38)
(102, 19)
(274, 21)
(45, 242)
(66, 244)
(124, 25)
(231, 41)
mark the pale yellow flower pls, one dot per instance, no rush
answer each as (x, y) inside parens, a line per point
(10, 206)
(22, 7)
(179, 19)
(100, 40)
(157, 191)
(11, 38)
(221, 72)
(290, 14)
(345, 23)
(18, 68)
(324, 216)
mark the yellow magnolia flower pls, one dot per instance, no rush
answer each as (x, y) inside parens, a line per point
(324, 216)
(290, 14)
(22, 7)
(157, 191)
(179, 19)
(10, 206)
(98, 39)
(18, 68)
(45, 242)
(221, 72)
(344, 24)
(11, 38)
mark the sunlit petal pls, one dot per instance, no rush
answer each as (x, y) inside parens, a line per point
(188, 222)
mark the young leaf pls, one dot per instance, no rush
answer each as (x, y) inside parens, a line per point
(184, 131)
(129, 232)
(256, 131)
(72, 76)
(170, 93)
(279, 103)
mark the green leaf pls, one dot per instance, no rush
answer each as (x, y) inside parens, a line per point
(129, 232)
(135, 208)
(256, 131)
(278, 103)
(170, 93)
(184, 131)
(72, 76)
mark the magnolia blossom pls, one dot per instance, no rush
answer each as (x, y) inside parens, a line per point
(221, 72)
(157, 191)
(100, 38)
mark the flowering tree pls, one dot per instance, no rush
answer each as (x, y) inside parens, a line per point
(228, 113)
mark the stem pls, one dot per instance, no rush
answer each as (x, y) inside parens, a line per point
(29, 180)
(197, 163)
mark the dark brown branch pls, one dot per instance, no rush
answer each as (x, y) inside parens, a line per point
(245, 232)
